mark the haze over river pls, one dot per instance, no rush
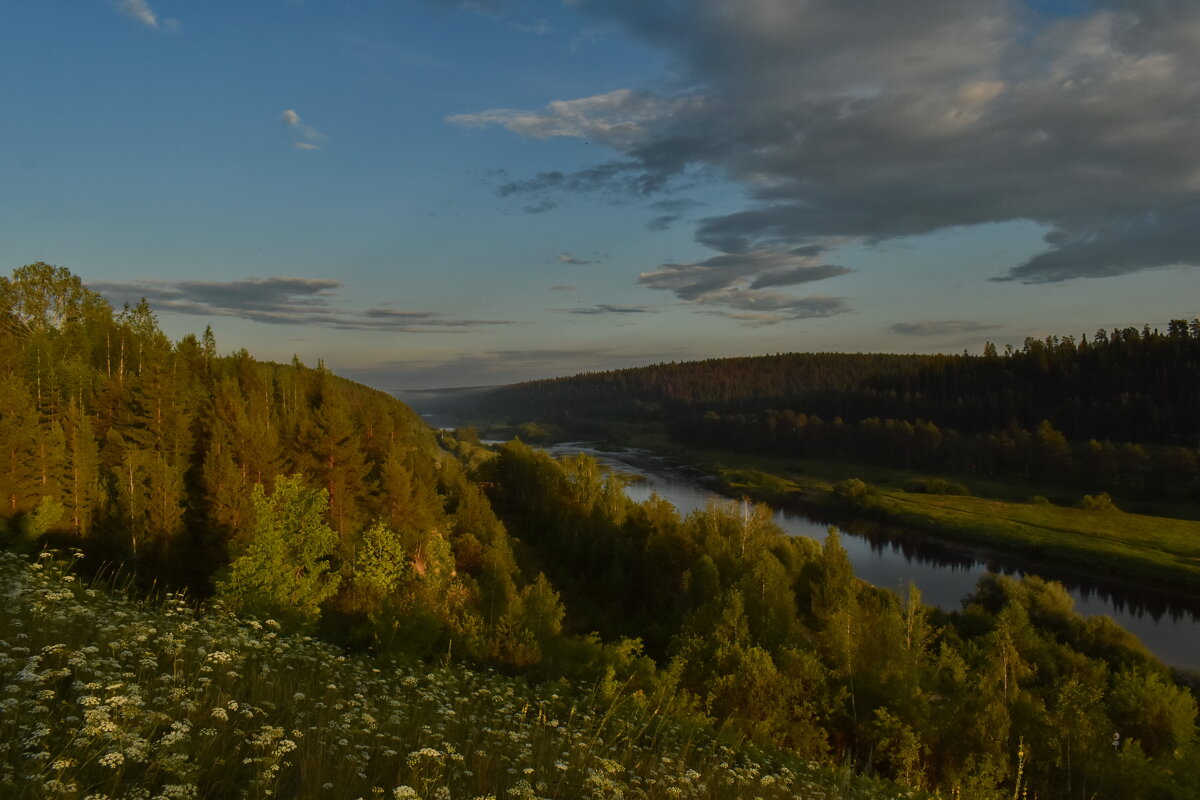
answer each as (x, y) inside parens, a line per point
(1166, 624)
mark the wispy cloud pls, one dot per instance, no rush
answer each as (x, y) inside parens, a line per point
(562, 287)
(302, 136)
(940, 328)
(140, 11)
(282, 301)
(567, 258)
(605, 308)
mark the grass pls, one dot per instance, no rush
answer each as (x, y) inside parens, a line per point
(1122, 546)
(104, 698)
(1125, 546)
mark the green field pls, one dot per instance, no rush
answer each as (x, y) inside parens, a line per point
(1123, 546)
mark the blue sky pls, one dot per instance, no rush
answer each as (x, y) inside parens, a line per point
(458, 193)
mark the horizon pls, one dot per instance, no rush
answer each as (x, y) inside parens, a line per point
(464, 193)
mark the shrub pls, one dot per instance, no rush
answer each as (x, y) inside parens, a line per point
(1098, 502)
(853, 489)
(935, 486)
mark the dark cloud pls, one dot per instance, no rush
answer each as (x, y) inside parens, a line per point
(798, 275)
(676, 205)
(740, 281)
(704, 280)
(942, 328)
(1125, 244)
(604, 308)
(868, 120)
(614, 180)
(280, 301)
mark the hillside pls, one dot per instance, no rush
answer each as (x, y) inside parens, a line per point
(1114, 413)
(111, 698)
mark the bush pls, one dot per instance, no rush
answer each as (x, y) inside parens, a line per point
(1039, 500)
(935, 486)
(853, 489)
(1098, 502)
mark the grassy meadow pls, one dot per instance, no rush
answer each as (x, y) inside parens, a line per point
(1111, 542)
(104, 698)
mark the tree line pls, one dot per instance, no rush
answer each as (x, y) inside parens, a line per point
(1116, 411)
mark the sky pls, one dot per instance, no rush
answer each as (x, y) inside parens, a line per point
(436, 193)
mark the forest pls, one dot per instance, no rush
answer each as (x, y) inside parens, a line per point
(283, 492)
(1115, 413)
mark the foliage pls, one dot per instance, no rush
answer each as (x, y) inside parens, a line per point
(1113, 412)
(285, 572)
(935, 486)
(107, 698)
(1099, 502)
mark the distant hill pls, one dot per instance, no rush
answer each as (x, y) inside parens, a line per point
(1117, 412)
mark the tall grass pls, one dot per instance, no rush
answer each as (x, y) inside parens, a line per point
(103, 698)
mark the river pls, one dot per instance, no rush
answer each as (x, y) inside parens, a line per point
(1168, 625)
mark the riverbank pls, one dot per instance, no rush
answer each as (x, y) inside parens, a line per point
(1145, 549)
(1107, 543)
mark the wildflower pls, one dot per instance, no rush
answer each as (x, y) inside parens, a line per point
(112, 759)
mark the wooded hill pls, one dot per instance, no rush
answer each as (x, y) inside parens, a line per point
(1118, 412)
(282, 492)
(287, 490)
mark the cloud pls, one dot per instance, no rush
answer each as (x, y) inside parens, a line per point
(674, 208)
(741, 281)
(614, 180)
(302, 137)
(567, 258)
(562, 287)
(604, 308)
(758, 268)
(280, 301)
(942, 328)
(798, 275)
(1128, 243)
(140, 10)
(870, 120)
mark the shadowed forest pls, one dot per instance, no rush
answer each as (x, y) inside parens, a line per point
(284, 492)
(1115, 413)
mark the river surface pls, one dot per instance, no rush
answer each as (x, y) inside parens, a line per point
(1168, 625)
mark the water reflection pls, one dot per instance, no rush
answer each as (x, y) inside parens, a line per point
(892, 558)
